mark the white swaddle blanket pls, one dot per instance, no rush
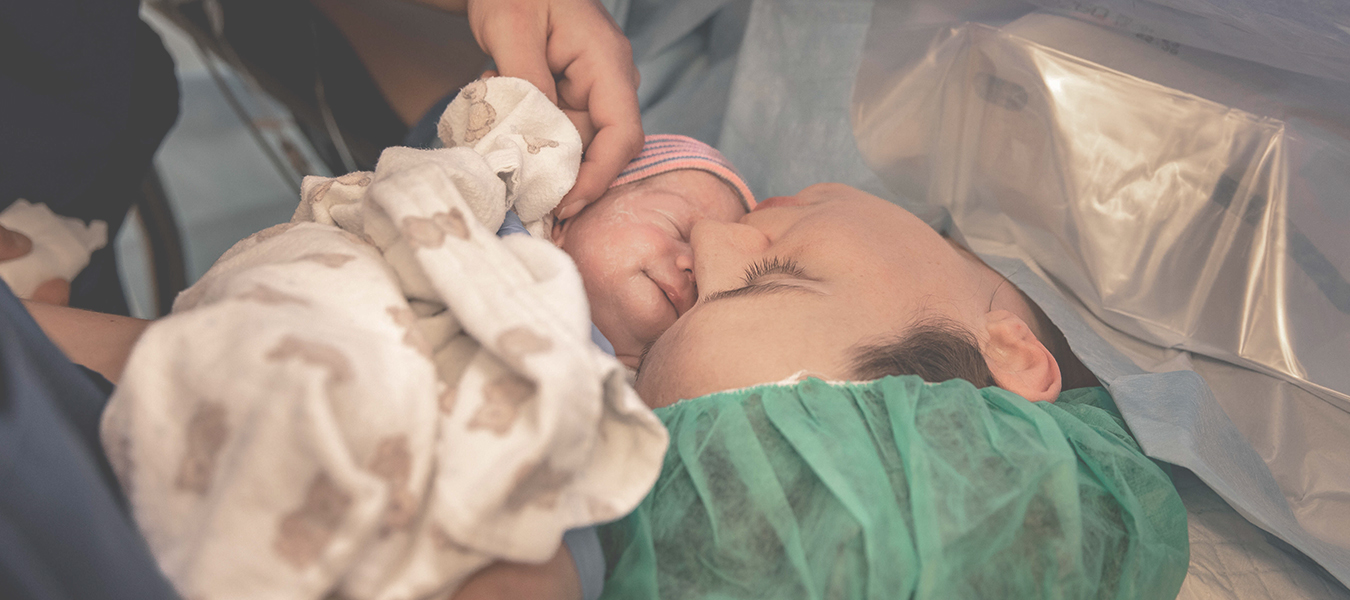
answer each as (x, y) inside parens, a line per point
(381, 397)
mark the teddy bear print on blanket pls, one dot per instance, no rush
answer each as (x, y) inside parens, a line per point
(381, 397)
(486, 117)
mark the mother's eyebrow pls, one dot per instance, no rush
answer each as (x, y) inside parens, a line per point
(760, 289)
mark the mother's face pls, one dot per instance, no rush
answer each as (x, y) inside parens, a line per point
(799, 281)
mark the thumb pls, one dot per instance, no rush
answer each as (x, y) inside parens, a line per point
(14, 244)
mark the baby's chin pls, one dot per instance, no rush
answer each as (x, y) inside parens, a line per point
(628, 354)
(631, 328)
(626, 346)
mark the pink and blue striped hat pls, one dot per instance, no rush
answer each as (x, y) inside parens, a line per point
(664, 153)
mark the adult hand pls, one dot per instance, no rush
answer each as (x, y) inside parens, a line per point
(577, 55)
(15, 245)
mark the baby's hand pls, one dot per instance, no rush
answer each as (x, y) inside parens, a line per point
(577, 55)
(15, 245)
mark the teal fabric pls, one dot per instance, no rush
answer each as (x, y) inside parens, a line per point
(900, 489)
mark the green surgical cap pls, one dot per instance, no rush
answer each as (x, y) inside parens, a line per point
(900, 489)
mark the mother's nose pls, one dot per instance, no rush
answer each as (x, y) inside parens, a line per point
(712, 235)
(721, 252)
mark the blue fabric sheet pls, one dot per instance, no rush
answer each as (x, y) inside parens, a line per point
(64, 531)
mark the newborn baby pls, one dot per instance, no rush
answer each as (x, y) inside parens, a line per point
(632, 245)
(381, 397)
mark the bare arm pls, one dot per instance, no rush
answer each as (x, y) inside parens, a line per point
(98, 341)
(556, 579)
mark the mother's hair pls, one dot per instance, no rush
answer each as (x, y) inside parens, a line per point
(936, 349)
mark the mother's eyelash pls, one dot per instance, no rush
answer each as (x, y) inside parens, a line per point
(771, 266)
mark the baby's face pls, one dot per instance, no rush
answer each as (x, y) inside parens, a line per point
(632, 249)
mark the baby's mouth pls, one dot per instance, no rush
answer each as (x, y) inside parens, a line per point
(680, 296)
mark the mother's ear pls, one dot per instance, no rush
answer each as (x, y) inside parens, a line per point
(1020, 363)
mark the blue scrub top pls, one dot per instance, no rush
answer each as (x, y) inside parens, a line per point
(64, 529)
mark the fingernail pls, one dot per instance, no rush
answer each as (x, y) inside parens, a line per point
(570, 210)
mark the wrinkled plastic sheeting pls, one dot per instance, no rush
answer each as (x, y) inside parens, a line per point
(1196, 203)
(1190, 224)
(1229, 553)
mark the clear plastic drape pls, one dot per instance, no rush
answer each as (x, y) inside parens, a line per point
(1199, 204)
(1191, 198)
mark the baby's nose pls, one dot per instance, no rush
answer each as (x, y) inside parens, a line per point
(684, 275)
(684, 261)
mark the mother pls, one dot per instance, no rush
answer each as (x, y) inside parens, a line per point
(778, 484)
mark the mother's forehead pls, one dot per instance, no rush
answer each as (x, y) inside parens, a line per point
(727, 342)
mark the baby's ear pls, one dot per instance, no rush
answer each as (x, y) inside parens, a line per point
(1020, 363)
(559, 231)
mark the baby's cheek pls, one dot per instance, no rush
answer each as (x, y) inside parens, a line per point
(626, 305)
(612, 259)
(590, 273)
(638, 322)
(636, 242)
(645, 312)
